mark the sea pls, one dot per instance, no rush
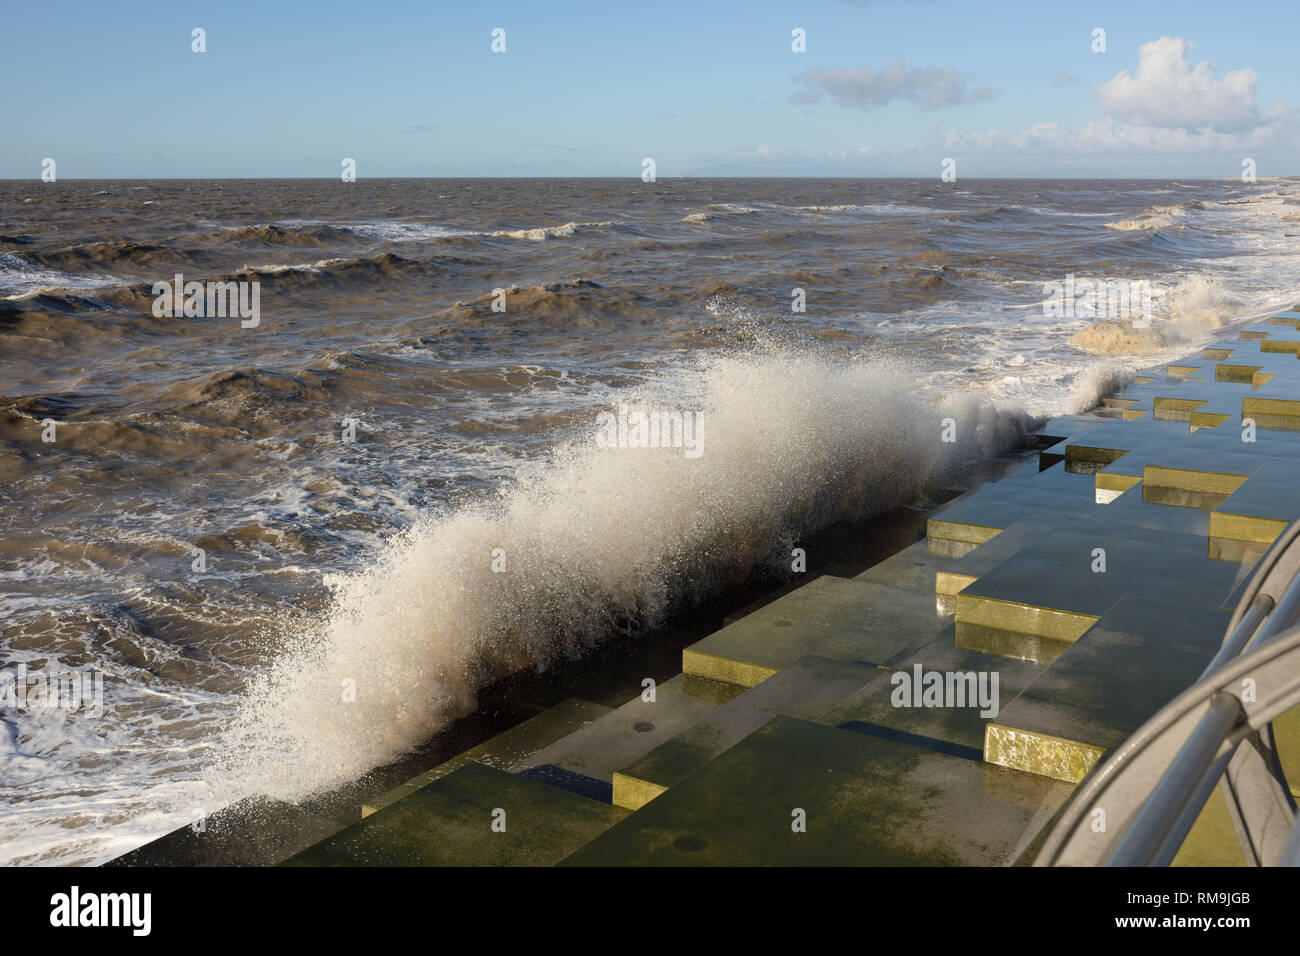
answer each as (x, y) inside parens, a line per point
(395, 443)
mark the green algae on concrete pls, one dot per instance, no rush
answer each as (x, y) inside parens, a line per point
(505, 749)
(1134, 660)
(960, 572)
(474, 816)
(988, 512)
(839, 618)
(805, 689)
(1111, 442)
(1135, 509)
(1059, 431)
(863, 801)
(920, 568)
(1262, 506)
(619, 737)
(1049, 594)
(255, 831)
(963, 727)
(913, 569)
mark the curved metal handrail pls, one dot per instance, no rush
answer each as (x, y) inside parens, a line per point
(1137, 806)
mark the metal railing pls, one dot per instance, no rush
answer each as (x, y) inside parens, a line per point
(1137, 807)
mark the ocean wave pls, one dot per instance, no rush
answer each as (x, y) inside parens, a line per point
(597, 542)
(275, 234)
(1156, 217)
(541, 233)
(399, 231)
(337, 270)
(311, 232)
(880, 209)
(577, 303)
(1185, 314)
(21, 278)
(715, 212)
(236, 391)
(122, 255)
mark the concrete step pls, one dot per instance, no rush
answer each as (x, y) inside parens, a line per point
(1100, 447)
(1046, 597)
(863, 801)
(966, 570)
(934, 566)
(838, 618)
(1260, 508)
(1059, 431)
(805, 689)
(1134, 509)
(1137, 657)
(1053, 492)
(255, 831)
(505, 749)
(898, 704)
(912, 569)
(587, 759)
(474, 816)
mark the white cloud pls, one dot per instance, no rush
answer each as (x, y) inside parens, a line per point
(1170, 107)
(1107, 137)
(1171, 114)
(1170, 93)
(930, 88)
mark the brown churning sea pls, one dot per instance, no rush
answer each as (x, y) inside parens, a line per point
(324, 559)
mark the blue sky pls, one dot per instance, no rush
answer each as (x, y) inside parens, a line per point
(885, 88)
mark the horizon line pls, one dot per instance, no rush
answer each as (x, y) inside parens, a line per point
(335, 178)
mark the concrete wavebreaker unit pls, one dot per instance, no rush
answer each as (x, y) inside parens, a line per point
(941, 706)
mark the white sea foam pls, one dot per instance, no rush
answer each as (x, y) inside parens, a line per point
(22, 279)
(880, 209)
(545, 232)
(594, 540)
(1153, 217)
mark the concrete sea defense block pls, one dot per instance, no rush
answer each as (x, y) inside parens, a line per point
(474, 816)
(801, 794)
(619, 737)
(1046, 597)
(1262, 506)
(960, 572)
(913, 569)
(1137, 657)
(805, 689)
(505, 749)
(1053, 492)
(879, 706)
(831, 617)
(1115, 440)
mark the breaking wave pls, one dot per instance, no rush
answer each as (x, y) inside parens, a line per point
(596, 542)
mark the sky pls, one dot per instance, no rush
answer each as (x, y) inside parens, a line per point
(883, 88)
